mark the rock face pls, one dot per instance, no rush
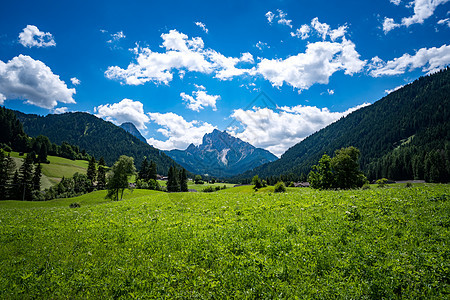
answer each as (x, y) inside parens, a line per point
(221, 155)
(130, 128)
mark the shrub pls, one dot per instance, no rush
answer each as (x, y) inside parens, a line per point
(280, 187)
(365, 187)
(408, 184)
(208, 189)
(291, 184)
(74, 205)
(381, 182)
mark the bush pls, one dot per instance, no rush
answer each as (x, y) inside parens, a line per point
(280, 187)
(381, 182)
(208, 189)
(365, 187)
(408, 184)
(75, 205)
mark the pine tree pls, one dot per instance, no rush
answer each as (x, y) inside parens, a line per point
(92, 170)
(26, 176)
(183, 181)
(173, 184)
(36, 181)
(101, 177)
(15, 189)
(152, 171)
(143, 172)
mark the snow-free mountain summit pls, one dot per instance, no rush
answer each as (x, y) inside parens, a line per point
(221, 155)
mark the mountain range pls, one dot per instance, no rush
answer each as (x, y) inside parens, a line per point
(97, 136)
(221, 155)
(400, 136)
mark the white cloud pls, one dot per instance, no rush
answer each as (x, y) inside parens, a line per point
(330, 92)
(389, 24)
(180, 133)
(430, 60)
(302, 32)
(200, 99)
(126, 110)
(316, 65)
(282, 18)
(270, 15)
(25, 78)
(276, 131)
(60, 110)
(444, 22)
(31, 36)
(202, 26)
(75, 81)
(423, 9)
(116, 37)
(181, 53)
(394, 89)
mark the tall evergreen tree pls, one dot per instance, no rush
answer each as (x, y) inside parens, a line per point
(7, 167)
(36, 181)
(26, 176)
(183, 181)
(152, 171)
(173, 184)
(92, 170)
(101, 176)
(143, 172)
(15, 188)
(118, 177)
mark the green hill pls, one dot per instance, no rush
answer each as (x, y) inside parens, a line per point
(96, 136)
(404, 135)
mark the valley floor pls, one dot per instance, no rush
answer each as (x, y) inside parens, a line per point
(377, 243)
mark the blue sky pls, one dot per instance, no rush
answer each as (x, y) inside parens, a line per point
(269, 72)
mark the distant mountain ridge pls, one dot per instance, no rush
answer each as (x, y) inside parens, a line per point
(395, 135)
(221, 155)
(97, 136)
(130, 128)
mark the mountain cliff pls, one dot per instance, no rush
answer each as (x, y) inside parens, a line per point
(130, 128)
(221, 155)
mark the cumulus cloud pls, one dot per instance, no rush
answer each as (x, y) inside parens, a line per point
(181, 53)
(200, 99)
(302, 32)
(280, 17)
(31, 36)
(278, 130)
(126, 110)
(423, 9)
(429, 59)
(316, 65)
(389, 24)
(179, 132)
(75, 81)
(202, 26)
(25, 78)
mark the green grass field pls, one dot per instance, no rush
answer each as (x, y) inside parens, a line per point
(362, 244)
(57, 168)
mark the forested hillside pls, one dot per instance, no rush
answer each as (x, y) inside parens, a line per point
(96, 136)
(404, 135)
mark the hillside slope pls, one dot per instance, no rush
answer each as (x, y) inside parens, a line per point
(417, 115)
(96, 136)
(221, 155)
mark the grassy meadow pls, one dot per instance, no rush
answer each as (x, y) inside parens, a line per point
(58, 168)
(377, 243)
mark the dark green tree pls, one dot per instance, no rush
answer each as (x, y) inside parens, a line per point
(92, 170)
(15, 188)
(198, 179)
(321, 176)
(345, 167)
(144, 171)
(118, 177)
(7, 168)
(256, 182)
(36, 181)
(183, 181)
(26, 176)
(173, 183)
(152, 171)
(101, 176)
